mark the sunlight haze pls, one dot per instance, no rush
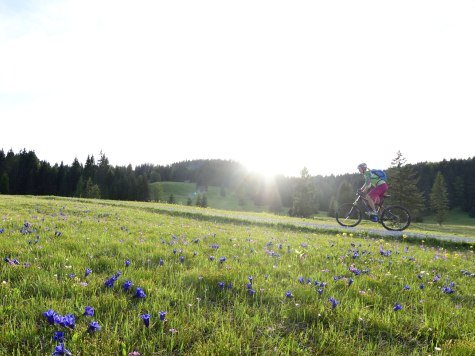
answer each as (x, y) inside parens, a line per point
(275, 85)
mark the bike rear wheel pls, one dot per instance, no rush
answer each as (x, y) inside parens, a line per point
(348, 215)
(396, 218)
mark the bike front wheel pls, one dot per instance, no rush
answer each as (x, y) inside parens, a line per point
(348, 215)
(396, 218)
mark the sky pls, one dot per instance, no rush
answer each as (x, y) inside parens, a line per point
(275, 85)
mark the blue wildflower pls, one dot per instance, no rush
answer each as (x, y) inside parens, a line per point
(72, 275)
(406, 287)
(320, 291)
(211, 258)
(162, 315)
(88, 272)
(182, 259)
(334, 302)
(447, 290)
(397, 307)
(161, 262)
(127, 263)
(222, 259)
(249, 285)
(288, 294)
(61, 350)
(301, 280)
(146, 319)
(93, 327)
(88, 311)
(251, 292)
(127, 285)
(58, 336)
(139, 293)
(50, 315)
(2, 230)
(221, 285)
(68, 321)
(421, 286)
(436, 278)
(350, 281)
(250, 278)
(215, 246)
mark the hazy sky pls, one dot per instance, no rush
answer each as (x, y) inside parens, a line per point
(272, 84)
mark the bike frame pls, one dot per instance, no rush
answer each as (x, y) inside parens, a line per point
(379, 207)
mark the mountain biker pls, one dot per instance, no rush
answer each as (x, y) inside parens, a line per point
(374, 184)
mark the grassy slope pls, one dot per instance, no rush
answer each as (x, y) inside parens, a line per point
(101, 235)
(182, 191)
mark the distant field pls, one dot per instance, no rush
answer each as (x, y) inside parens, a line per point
(209, 283)
(182, 191)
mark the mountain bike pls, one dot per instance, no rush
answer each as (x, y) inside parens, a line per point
(394, 217)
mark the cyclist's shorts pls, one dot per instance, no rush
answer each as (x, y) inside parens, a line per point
(377, 192)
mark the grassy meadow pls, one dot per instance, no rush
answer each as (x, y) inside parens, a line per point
(90, 277)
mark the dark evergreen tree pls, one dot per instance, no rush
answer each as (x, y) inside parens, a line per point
(4, 184)
(305, 199)
(171, 199)
(439, 200)
(402, 180)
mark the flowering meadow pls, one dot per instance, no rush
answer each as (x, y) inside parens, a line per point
(83, 277)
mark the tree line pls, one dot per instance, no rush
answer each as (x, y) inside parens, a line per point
(410, 185)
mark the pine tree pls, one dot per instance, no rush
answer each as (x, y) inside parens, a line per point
(4, 184)
(332, 207)
(439, 200)
(402, 181)
(305, 199)
(171, 199)
(345, 193)
(204, 201)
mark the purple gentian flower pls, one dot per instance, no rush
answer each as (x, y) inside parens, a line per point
(139, 293)
(61, 350)
(88, 311)
(222, 259)
(127, 285)
(160, 262)
(146, 319)
(162, 315)
(301, 280)
(447, 290)
(288, 294)
(50, 315)
(334, 302)
(68, 321)
(397, 307)
(221, 285)
(211, 258)
(93, 327)
(182, 259)
(88, 272)
(251, 292)
(58, 336)
(406, 287)
(127, 263)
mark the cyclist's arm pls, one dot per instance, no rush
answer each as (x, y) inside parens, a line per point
(367, 182)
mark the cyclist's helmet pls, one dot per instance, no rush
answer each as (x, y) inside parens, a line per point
(362, 166)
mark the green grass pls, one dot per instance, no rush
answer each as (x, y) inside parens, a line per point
(69, 235)
(182, 191)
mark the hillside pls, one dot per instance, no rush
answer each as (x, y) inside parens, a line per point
(217, 197)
